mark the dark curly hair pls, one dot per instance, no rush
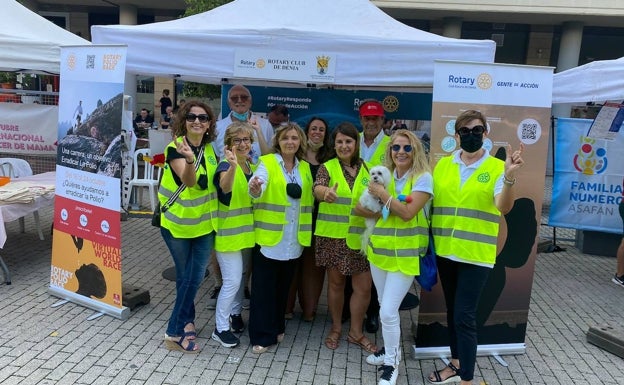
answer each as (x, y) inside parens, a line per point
(179, 123)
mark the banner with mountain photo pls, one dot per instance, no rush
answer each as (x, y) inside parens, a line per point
(516, 101)
(86, 251)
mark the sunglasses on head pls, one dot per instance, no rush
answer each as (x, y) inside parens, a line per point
(406, 148)
(203, 118)
(477, 130)
(236, 98)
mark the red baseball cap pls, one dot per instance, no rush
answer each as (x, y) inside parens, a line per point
(371, 108)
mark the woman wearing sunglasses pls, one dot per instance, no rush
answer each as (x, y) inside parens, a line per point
(282, 209)
(399, 238)
(189, 214)
(472, 190)
(235, 236)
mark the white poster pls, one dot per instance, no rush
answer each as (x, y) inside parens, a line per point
(28, 128)
(312, 67)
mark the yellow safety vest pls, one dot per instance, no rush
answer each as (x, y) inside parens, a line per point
(395, 245)
(465, 219)
(194, 213)
(236, 225)
(379, 155)
(269, 211)
(357, 224)
(333, 218)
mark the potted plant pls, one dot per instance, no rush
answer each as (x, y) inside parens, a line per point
(7, 79)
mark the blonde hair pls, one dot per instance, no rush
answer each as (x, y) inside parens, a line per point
(420, 164)
(301, 152)
(234, 129)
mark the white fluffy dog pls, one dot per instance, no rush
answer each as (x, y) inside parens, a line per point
(381, 175)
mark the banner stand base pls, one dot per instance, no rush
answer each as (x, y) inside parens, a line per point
(496, 351)
(122, 313)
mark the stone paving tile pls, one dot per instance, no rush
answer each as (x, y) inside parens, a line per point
(45, 345)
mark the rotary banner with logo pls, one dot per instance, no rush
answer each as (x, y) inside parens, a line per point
(516, 101)
(86, 251)
(285, 65)
(587, 182)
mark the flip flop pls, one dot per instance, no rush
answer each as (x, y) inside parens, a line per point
(363, 342)
(332, 340)
(191, 348)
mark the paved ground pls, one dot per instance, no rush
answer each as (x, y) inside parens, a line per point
(44, 345)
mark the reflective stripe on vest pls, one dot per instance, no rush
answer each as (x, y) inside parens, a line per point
(332, 220)
(357, 224)
(396, 245)
(236, 226)
(269, 211)
(194, 213)
(465, 220)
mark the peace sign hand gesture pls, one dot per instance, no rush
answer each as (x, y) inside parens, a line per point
(184, 149)
(513, 162)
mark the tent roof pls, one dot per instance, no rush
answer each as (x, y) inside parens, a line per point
(371, 47)
(29, 42)
(597, 81)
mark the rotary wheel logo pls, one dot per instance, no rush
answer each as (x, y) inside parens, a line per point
(260, 63)
(390, 103)
(71, 61)
(484, 81)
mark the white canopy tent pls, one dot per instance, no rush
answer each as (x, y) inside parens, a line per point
(597, 81)
(372, 49)
(30, 43)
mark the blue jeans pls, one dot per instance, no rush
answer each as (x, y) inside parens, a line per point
(462, 284)
(190, 256)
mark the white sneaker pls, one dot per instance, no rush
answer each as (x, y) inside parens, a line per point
(389, 375)
(377, 358)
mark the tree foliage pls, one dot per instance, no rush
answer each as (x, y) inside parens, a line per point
(191, 89)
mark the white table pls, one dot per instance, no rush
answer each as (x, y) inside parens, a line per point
(10, 211)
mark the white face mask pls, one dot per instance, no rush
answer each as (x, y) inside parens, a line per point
(314, 146)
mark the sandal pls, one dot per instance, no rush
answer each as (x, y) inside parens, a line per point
(438, 378)
(362, 342)
(191, 348)
(332, 340)
(191, 334)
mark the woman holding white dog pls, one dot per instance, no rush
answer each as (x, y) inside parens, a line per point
(399, 237)
(339, 183)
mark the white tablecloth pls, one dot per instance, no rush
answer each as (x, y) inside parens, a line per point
(42, 183)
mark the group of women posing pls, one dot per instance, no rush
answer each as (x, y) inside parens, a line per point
(273, 209)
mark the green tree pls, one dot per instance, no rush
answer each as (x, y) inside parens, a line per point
(191, 89)
(194, 7)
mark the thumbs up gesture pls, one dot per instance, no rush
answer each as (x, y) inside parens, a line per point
(331, 194)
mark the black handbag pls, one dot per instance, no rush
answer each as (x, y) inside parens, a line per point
(159, 211)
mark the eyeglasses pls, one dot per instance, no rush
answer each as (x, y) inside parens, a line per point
(236, 98)
(203, 118)
(238, 141)
(406, 148)
(477, 130)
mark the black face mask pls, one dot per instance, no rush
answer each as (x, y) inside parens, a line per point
(293, 190)
(471, 142)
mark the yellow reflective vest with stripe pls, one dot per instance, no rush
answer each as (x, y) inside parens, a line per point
(269, 211)
(236, 225)
(395, 244)
(333, 218)
(357, 224)
(465, 219)
(379, 155)
(194, 213)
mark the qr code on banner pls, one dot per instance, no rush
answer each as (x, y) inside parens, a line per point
(90, 61)
(529, 131)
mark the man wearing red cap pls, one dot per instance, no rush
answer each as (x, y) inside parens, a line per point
(373, 141)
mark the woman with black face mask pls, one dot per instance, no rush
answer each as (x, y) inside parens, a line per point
(281, 188)
(471, 191)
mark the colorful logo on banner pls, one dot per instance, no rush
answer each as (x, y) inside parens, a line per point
(590, 160)
(322, 64)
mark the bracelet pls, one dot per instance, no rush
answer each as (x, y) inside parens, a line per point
(508, 182)
(191, 162)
